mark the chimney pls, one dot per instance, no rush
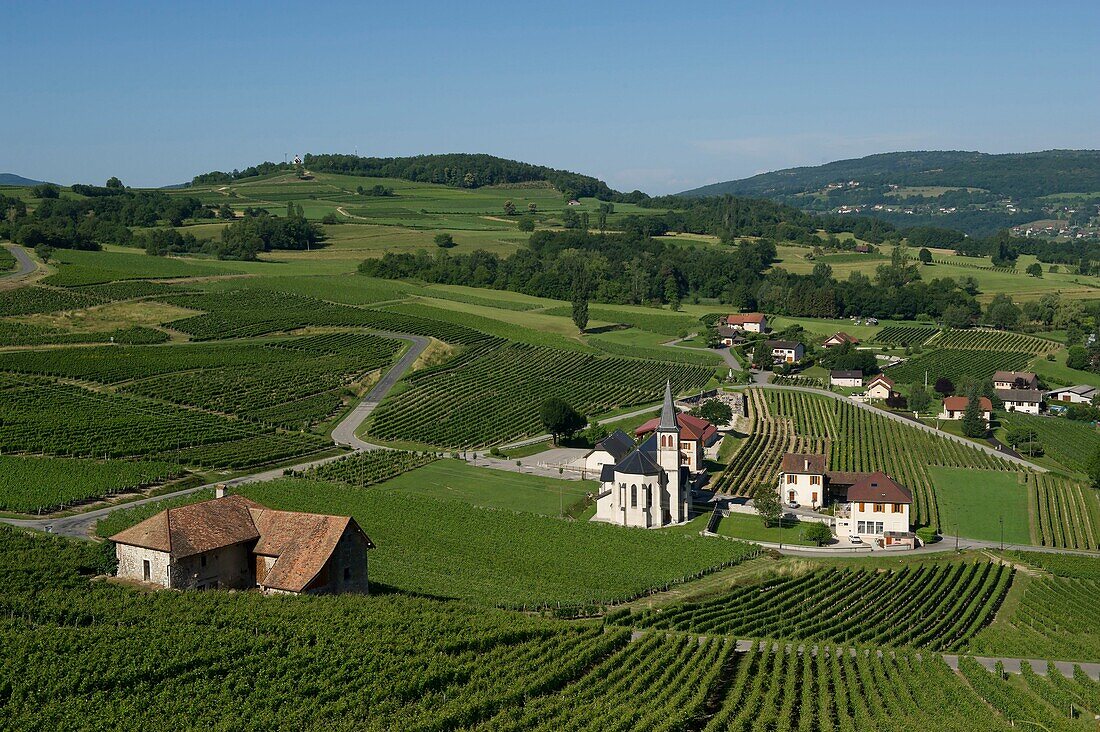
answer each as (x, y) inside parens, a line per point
(220, 491)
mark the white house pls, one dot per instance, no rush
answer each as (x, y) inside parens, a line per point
(650, 487)
(1015, 380)
(1027, 401)
(234, 543)
(851, 379)
(728, 335)
(880, 387)
(954, 407)
(876, 508)
(802, 479)
(608, 451)
(1080, 394)
(839, 339)
(785, 351)
(750, 322)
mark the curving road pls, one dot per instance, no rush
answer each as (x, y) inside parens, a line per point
(80, 526)
(23, 259)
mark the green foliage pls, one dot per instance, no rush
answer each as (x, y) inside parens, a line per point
(989, 340)
(767, 504)
(444, 240)
(714, 411)
(957, 365)
(904, 335)
(527, 223)
(919, 398)
(29, 484)
(817, 532)
(367, 468)
(559, 418)
(973, 420)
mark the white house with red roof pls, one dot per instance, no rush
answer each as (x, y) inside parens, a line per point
(839, 339)
(232, 542)
(750, 322)
(954, 407)
(696, 436)
(880, 387)
(876, 508)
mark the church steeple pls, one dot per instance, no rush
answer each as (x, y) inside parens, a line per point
(668, 412)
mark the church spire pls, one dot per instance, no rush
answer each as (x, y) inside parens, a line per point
(668, 410)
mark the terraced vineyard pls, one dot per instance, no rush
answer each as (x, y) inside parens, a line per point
(367, 468)
(19, 334)
(930, 606)
(1043, 699)
(980, 339)
(29, 484)
(958, 364)
(853, 439)
(492, 394)
(35, 299)
(904, 335)
(1065, 513)
(1070, 442)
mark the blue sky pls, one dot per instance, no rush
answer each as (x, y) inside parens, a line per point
(657, 96)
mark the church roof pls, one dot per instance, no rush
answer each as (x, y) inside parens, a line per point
(691, 428)
(618, 444)
(668, 411)
(639, 462)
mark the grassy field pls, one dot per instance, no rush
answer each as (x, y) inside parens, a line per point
(751, 528)
(975, 501)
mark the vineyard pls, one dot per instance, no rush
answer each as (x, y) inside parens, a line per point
(660, 321)
(1069, 442)
(444, 666)
(30, 484)
(491, 395)
(1065, 513)
(904, 335)
(366, 468)
(931, 606)
(958, 364)
(854, 439)
(18, 334)
(7, 260)
(35, 299)
(980, 339)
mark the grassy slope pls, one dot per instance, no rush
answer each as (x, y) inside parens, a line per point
(975, 501)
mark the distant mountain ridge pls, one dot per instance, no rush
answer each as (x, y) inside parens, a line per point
(11, 179)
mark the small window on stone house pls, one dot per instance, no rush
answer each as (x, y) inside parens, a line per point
(203, 560)
(347, 574)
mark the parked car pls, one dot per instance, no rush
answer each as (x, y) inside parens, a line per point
(854, 538)
(792, 504)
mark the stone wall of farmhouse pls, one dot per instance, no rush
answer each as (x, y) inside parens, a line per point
(346, 569)
(131, 564)
(226, 568)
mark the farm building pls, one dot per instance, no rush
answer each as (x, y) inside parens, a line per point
(697, 437)
(1028, 401)
(877, 508)
(1015, 380)
(954, 407)
(1080, 394)
(650, 487)
(232, 542)
(880, 387)
(728, 335)
(851, 379)
(608, 451)
(785, 351)
(751, 322)
(839, 339)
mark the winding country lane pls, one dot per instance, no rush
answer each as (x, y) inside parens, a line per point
(80, 526)
(26, 263)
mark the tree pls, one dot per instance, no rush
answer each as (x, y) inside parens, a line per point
(581, 287)
(570, 219)
(290, 209)
(956, 316)
(595, 432)
(767, 504)
(973, 421)
(509, 208)
(924, 256)
(1078, 358)
(444, 241)
(527, 223)
(532, 207)
(114, 182)
(1093, 470)
(559, 418)
(672, 292)
(44, 252)
(714, 411)
(46, 190)
(919, 398)
(944, 387)
(1002, 312)
(817, 532)
(1034, 269)
(225, 211)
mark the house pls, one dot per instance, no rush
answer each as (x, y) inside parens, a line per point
(608, 451)
(650, 487)
(880, 387)
(839, 339)
(876, 509)
(730, 336)
(1080, 394)
(852, 379)
(1015, 380)
(955, 406)
(750, 322)
(232, 542)
(802, 479)
(696, 436)
(862, 248)
(785, 351)
(1028, 401)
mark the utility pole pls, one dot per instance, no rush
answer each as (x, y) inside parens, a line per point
(956, 538)
(1002, 532)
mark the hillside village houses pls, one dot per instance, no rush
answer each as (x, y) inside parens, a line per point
(850, 379)
(880, 387)
(231, 542)
(1028, 401)
(954, 407)
(785, 351)
(1080, 394)
(651, 486)
(730, 336)
(839, 339)
(1015, 380)
(872, 506)
(749, 322)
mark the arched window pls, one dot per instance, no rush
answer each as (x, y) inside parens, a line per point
(633, 496)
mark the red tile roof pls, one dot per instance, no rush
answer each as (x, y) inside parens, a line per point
(879, 487)
(691, 427)
(302, 543)
(194, 529)
(959, 404)
(881, 378)
(742, 318)
(803, 463)
(842, 337)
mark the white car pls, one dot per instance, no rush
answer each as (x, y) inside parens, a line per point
(792, 504)
(854, 538)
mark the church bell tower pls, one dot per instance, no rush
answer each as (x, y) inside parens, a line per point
(673, 501)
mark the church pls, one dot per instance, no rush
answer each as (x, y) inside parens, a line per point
(651, 486)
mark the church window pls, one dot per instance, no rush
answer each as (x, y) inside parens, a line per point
(633, 496)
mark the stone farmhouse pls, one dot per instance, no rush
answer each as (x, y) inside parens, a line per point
(749, 322)
(784, 351)
(231, 542)
(839, 339)
(729, 335)
(651, 486)
(880, 387)
(1080, 394)
(954, 407)
(850, 379)
(870, 505)
(1015, 380)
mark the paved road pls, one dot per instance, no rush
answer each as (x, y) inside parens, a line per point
(81, 525)
(909, 422)
(724, 352)
(23, 259)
